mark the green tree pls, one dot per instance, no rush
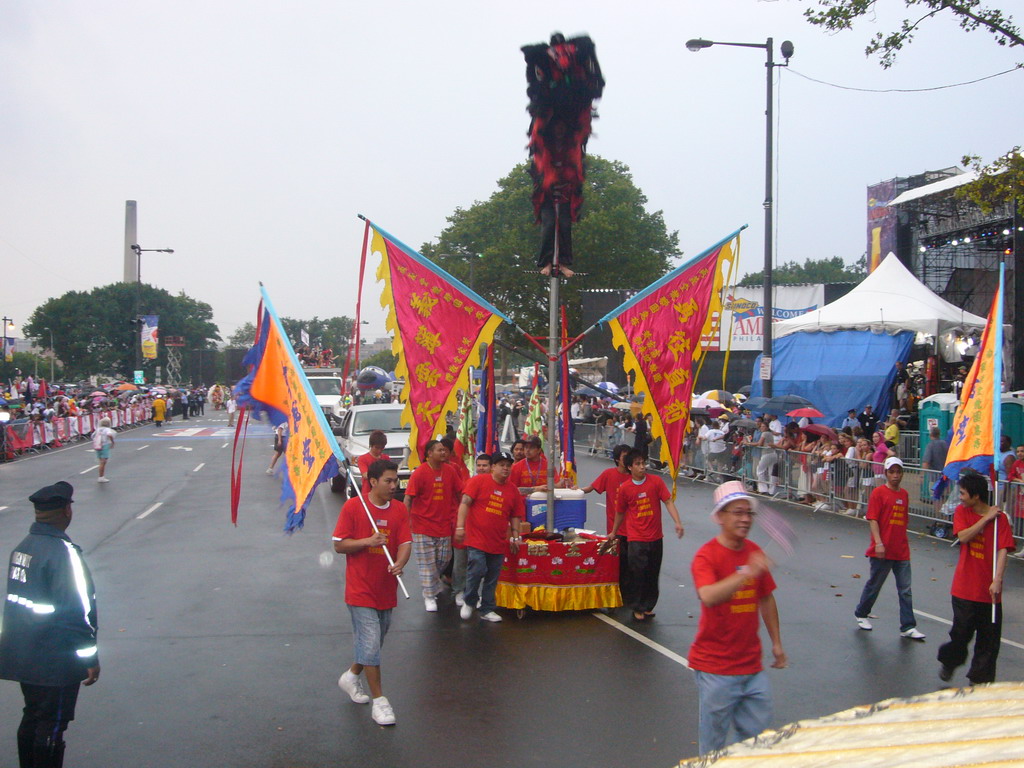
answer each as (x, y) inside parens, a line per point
(617, 243)
(999, 182)
(833, 270)
(383, 359)
(333, 332)
(95, 332)
(841, 14)
(243, 337)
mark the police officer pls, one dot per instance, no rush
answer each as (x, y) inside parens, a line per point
(48, 643)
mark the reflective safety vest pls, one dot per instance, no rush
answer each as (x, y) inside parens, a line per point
(48, 636)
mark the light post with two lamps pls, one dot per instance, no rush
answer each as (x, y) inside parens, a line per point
(786, 49)
(137, 322)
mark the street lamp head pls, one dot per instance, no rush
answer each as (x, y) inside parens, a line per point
(786, 49)
(697, 44)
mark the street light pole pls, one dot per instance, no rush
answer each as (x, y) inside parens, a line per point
(787, 52)
(52, 354)
(137, 322)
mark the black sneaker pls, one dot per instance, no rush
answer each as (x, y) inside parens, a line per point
(945, 673)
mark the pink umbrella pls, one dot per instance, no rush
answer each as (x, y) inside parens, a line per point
(811, 413)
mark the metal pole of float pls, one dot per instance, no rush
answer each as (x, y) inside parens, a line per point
(553, 346)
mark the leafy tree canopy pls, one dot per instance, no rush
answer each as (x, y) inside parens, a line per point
(383, 359)
(617, 243)
(1001, 181)
(333, 332)
(94, 332)
(841, 14)
(833, 270)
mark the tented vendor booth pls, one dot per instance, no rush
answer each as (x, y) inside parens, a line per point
(842, 356)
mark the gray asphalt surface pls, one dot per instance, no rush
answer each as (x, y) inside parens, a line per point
(222, 646)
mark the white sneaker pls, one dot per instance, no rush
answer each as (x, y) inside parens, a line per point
(863, 623)
(912, 634)
(270, 471)
(431, 604)
(490, 616)
(459, 600)
(382, 712)
(466, 611)
(102, 480)
(353, 686)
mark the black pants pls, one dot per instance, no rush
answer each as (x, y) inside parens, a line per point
(644, 571)
(969, 618)
(625, 583)
(547, 234)
(48, 710)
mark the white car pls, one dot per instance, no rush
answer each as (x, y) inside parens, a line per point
(354, 439)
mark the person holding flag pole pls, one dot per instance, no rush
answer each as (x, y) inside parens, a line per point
(982, 530)
(377, 545)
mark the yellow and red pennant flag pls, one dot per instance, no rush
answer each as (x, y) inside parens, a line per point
(439, 325)
(659, 331)
(277, 386)
(977, 423)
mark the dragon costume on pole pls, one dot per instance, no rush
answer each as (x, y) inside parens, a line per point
(563, 80)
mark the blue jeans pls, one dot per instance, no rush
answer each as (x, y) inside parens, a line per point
(742, 701)
(880, 568)
(482, 571)
(369, 625)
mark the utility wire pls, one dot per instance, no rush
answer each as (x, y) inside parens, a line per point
(903, 90)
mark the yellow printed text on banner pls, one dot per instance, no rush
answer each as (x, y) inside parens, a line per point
(438, 328)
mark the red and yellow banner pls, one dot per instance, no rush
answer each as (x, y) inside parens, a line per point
(438, 325)
(659, 330)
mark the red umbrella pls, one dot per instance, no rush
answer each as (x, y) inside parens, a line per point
(811, 413)
(821, 429)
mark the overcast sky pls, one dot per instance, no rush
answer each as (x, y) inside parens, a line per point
(252, 133)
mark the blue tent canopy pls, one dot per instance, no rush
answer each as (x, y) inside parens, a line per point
(837, 371)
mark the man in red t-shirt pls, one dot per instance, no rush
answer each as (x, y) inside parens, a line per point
(378, 442)
(457, 464)
(530, 474)
(889, 550)
(371, 583)
(608, 482)
(638, 503)
(432, 496)
(489, 504)
(976, 585)
(483, 467)
(735, 587)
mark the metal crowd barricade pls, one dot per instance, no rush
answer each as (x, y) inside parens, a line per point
(34, 436)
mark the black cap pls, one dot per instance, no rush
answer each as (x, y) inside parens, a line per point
(502, 456)
(532, 440)
(52, 497)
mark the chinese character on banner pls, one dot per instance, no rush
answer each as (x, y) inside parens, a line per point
(662, 347)
(439, 325)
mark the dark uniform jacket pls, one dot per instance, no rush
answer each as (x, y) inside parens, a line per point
(48, 636)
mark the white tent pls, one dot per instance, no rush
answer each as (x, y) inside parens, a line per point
(889, 300)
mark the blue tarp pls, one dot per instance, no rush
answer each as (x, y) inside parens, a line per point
(836, 371)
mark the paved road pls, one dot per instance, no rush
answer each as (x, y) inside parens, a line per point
(221, 646)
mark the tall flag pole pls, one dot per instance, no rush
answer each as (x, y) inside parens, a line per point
(438, 325)
(977, 425)
(359, 298)
(277, 387)
(660, 330)
(568, 455)
(487, 428)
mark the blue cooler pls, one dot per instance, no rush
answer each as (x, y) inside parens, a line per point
(570, 509)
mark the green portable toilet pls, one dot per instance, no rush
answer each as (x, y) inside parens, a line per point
(936, 411)
(1013, 417)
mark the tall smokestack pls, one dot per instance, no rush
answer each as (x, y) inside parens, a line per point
(131, 237)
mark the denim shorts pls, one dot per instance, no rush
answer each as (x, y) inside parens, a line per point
(103, 453)
(369, 625)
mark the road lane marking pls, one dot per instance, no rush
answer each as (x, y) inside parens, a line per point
(90, 469)
(2, 509)
(149, 511)
(142, 448)
(950, 623)
(225, 445)
(199, 467)
(645, 640)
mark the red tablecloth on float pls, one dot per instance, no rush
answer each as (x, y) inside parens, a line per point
(553, 576)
